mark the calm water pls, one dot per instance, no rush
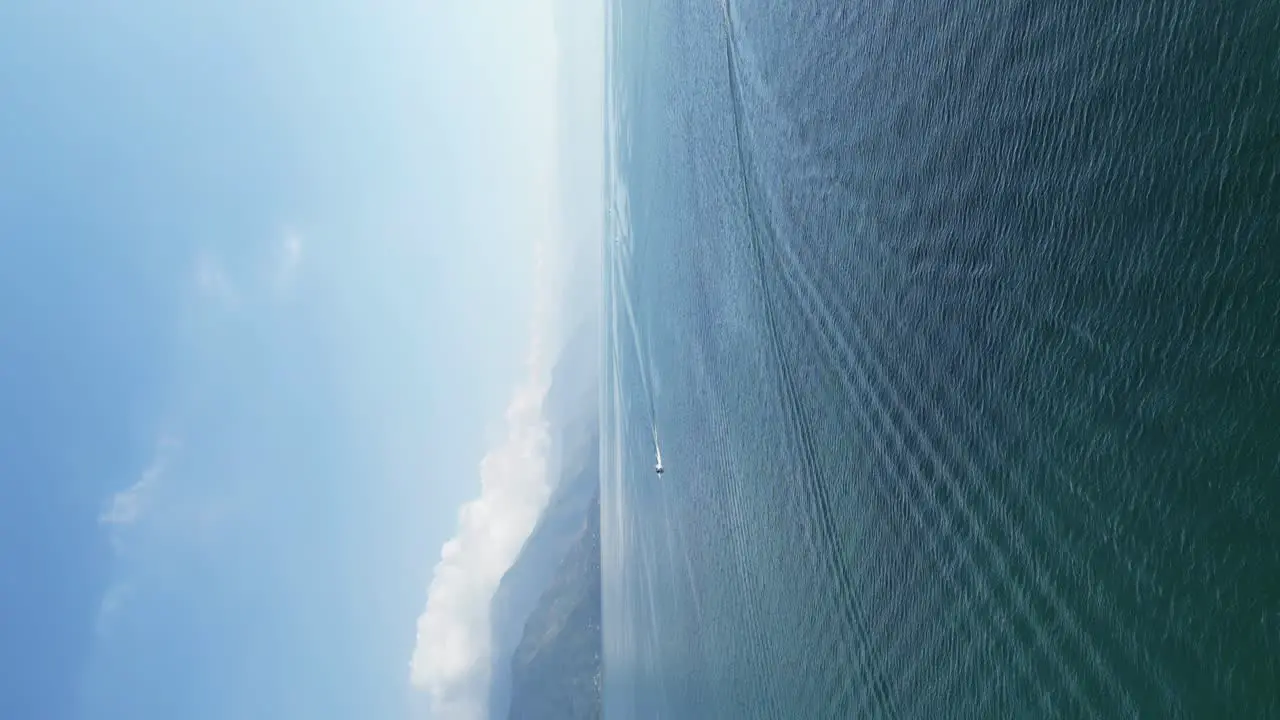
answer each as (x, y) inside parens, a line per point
(958, 325)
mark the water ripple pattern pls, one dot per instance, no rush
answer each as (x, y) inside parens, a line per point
(959, 326)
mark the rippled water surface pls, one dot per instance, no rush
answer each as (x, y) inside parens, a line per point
(958, 326)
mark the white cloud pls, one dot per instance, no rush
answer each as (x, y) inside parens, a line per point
(275, 273)
(112, 602)
(452, 657)
(128, 505)
(128, 508)
(289, 258)
(213, 281)
(292, 251)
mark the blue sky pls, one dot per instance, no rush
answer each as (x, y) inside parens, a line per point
(267, 272)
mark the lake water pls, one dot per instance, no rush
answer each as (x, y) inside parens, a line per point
(958, 326)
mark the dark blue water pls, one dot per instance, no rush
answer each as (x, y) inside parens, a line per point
(958, 325)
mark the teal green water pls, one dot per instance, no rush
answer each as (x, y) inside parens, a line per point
(959, 329)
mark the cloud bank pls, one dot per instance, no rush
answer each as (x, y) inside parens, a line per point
(451, 657)
(561, 212)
